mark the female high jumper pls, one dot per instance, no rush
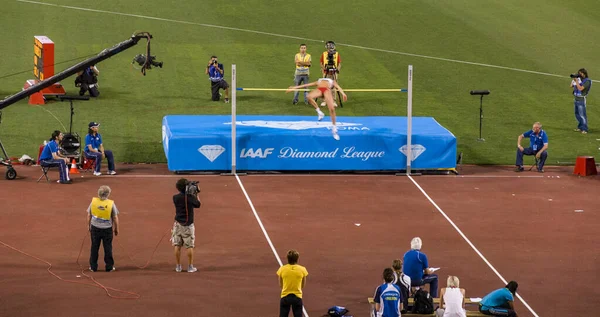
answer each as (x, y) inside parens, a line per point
(324, 87)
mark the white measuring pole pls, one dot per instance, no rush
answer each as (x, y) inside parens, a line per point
(233, 120)
(409, 121)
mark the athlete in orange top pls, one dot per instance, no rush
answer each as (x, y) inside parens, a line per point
(324, 87)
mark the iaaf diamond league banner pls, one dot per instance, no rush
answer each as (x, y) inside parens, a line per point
(196, 143)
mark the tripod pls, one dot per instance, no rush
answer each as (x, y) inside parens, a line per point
(332, 72)
(480, 93)
(71, 142)
(480, 118)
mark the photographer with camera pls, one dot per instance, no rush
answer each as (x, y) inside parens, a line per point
(87, 80)
(215, 72)
(183, 232)
(331, 64)
(581, 87)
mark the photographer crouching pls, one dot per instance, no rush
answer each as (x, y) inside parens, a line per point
(581, 87)
(215, 72)
(183, 232)
(87, 80)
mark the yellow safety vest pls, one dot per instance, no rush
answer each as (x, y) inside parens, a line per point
(302, 70)
(335, 59)
(102, 209)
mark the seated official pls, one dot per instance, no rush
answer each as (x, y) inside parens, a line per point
(403, 281)
(538, 144)
(50, 157)
(388, 297)
(500, 302)
(417, 268)
(452, 299)
(95, 149)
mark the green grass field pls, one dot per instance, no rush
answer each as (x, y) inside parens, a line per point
(454, 47)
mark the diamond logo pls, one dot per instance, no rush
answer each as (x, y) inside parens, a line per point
(415, 150)
(292, 125)
(211, 152)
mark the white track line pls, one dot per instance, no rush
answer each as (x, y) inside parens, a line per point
(387, 175)
(469, 242)
(292, 37)
(83, 174)
(261, 226)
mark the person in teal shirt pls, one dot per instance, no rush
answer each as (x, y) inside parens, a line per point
(500, 302)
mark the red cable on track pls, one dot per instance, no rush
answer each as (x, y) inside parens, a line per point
(130, 295)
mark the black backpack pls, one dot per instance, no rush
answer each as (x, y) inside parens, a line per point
(423, 302)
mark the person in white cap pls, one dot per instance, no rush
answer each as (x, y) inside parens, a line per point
(94, 149)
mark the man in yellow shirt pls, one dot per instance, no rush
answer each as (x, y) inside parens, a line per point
(303, 62)
(292, 278)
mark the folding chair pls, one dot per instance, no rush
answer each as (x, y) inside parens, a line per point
(535, 164)
(45, 170)
(87, 163)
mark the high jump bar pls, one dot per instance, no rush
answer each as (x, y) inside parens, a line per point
(362, 90)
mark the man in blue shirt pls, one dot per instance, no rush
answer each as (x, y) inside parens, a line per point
(51, 157)
(215, 72)
(388, 299)
(500, 302)
(538, 144)
(95, 149)
(417, 268)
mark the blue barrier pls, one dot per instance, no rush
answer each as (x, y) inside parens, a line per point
(301, 143)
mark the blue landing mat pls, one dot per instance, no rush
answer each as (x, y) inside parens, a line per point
(301, 143)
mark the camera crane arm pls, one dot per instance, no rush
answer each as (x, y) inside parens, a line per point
(105, 54)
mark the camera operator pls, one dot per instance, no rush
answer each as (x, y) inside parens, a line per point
(215, 72)
(331, 63)
(581, 87)
(183, 232)
(87, 80)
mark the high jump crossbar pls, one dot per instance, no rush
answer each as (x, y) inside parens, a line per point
(357, 90)
(408, 116)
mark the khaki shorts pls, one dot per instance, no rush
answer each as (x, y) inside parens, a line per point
(183, 235)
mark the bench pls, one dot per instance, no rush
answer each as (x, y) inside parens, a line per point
(436, 302)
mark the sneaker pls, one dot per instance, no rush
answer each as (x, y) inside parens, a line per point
(92, 270)
(191, 269)
(306, 102)
(321, 115)
(583, 132)
(540, 170)
(112, 173)
(519, 169)
(97, 173)
(66, 182)
(323, 104)
(577, 130)
(335, 133)
(295, 102)
(178, 268)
